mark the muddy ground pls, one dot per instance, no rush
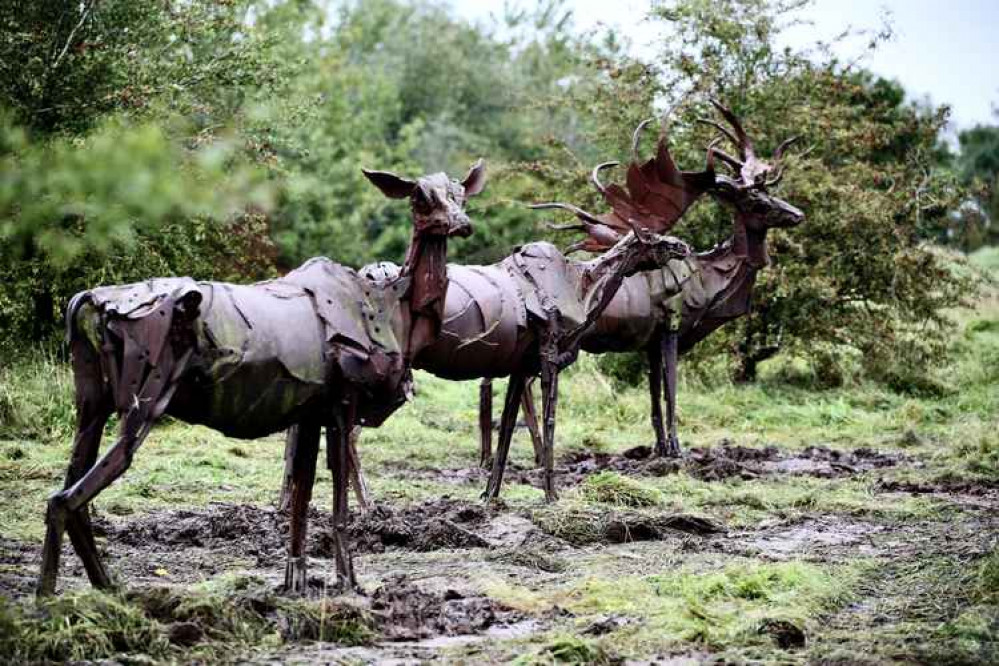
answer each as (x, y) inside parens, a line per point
(425, 567)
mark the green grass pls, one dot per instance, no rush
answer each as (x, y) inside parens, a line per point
(725, 608)
(225, 615)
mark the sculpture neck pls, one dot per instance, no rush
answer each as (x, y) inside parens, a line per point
(750, 242)
(602, 277)
(426, 266)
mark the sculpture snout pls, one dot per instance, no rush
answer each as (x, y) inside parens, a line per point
(786, 215)
(461, 226)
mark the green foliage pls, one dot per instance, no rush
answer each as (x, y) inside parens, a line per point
(857, 273)
(125, 134)
(625, 368)
(36, 398)
(406, 86)
(63, 198)
(65, 65)
(977, 223)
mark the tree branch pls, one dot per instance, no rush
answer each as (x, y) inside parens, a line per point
(72, 34)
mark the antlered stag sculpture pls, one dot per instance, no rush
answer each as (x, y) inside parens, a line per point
(717, 284)
(320, 347)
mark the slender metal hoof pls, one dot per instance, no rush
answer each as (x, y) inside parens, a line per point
(296, 575)
(346, 584)
(488, 495)
(55, 520)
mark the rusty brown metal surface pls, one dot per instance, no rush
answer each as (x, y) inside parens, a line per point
(655, 196)
(323, 346)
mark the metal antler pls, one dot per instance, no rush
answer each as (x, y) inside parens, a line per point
(750, 170)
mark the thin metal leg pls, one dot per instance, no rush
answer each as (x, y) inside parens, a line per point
(507, 423)
(549, 399)
(485, 422)
(531, 419)
(338, 445)
(305, 451)
(655, 356)
(290, 444)
(670, 360)
(356, 475)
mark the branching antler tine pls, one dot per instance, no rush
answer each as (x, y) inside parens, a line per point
(721, 128)
(579, 212)
(779, 153)
(726, 158)
(776, 179)
(580, 226)
(640, 231)
(636, 137)
(595, 174)
(745, 145)
(709, 165)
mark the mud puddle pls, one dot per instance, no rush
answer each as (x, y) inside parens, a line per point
(724, 461)
(262, 532)
(819, 538)
(406, 612)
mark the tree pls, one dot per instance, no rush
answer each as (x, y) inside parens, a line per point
(977, 223)
(122, 130)
(409, 87)
(857, 273)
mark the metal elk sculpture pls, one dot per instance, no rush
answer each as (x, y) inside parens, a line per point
(322, 346)
(717, 284)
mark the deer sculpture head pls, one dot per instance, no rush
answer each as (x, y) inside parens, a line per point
(746, 189)
(438, 208)
(644, 250)
(438, 203)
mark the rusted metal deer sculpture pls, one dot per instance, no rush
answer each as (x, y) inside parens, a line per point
(323, 346)
(526, 315)
(717, 284)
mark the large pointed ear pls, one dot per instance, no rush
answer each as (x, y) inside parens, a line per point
(475, 181)
(391, 185)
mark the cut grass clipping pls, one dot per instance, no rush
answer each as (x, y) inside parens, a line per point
(581, 524)
(612, 488)
(530, 557)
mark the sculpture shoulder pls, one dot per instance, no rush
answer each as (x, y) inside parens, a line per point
(380, 271)
(540, 250)
(319, 271)
(134, 300)
(537, 258)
